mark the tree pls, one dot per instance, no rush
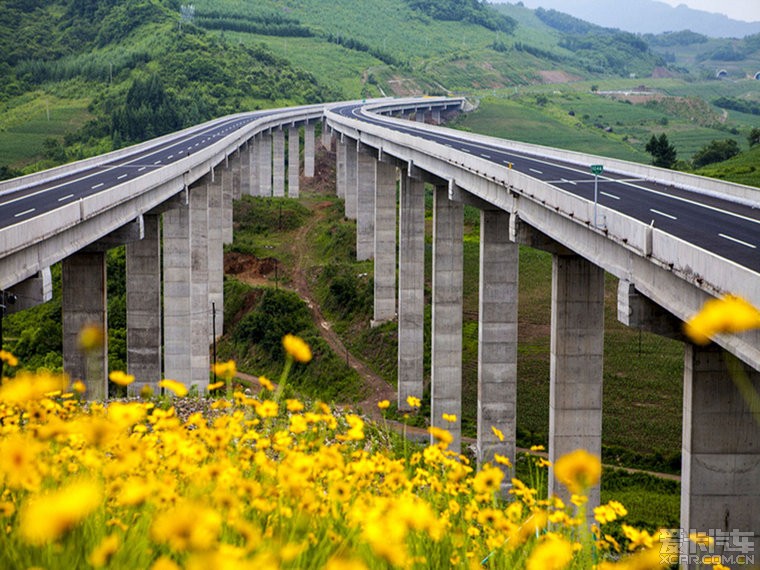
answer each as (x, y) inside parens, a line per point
(716, 151)
(663, 153)
(754, 137)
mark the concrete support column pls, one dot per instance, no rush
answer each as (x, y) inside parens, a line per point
(144, 306)
(200, 306)
(226, 189)
(446, 361)
(720, 469)
(215, 253)
(340, 170)
(497, 337)
(351, 180)
(411, 289)
(436, 116)
(177, 295)
(84, 304)
(365, 201)
(245, 171)
(327, 137)
(255, 145)
(278, 163)
(385, 242)
(308, 150)
(576, 363)
(294, 161)
(265, 165)
(236, 166)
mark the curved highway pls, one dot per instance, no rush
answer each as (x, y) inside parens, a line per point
(18, 206)
(726, 228)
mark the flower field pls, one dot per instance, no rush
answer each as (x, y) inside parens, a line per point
(265, 483)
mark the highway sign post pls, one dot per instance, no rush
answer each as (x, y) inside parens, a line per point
(596, 170)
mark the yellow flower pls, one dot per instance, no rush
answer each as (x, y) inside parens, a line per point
(91, 337)
(441, 435)
(578, 470)
(79, 387)
(498, 433)
(215, 386)
(552, 553)
(178, 388)
(502, 460)
(488, 480)
(413, 402)
(294, 406)
(451, 418)
(26, 387)
(46, 517)
(8, 358)
(730, 314)
(638, 538)
(296, 348)
(188, 526)
(266, 383)
(226, 370)
(103, 552)
(121, 378)
(384, 405)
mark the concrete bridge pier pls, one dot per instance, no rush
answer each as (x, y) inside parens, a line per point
(365, 204)
(411, 288)
(294, 161)
(84, 304)
(352, 160)
(200, 307)
(235, 162)
(385, 242)
(226, 180)
(436, 116)
(446, 360)
(720, 465)
(255, 146)
(245, 171)
(308, 150)
(278, 163)
(576, 363)
(265, 164)
(340, 170)
(143, 266)
(215, 253)
(497, 338)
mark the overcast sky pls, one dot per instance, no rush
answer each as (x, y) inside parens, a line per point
(747, 10)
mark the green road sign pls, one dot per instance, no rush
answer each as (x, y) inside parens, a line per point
(597, 169)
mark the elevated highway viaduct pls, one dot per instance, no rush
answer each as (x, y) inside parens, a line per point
(673, 241)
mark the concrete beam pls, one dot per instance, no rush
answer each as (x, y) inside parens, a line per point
(497, 339)
(144, 307)
(411, 289)
(446, 360)
(127, 233)
(576, 364)
(84, 304)
(720, 465)
(524, 234)
(638, 312)
(385, 243)
(31, 292)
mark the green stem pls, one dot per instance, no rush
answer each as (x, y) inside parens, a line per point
(283, 378)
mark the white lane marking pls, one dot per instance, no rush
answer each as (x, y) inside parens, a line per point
(65, 197)
(466, 150)
(536, 171)
(662, 214)
(157, 162)
(122, 177)
(97, 186)
(486, 155)
(733, 239)
(610, 195)
(24, 213)
(569, 181)
(141, 169)
(170, 157)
